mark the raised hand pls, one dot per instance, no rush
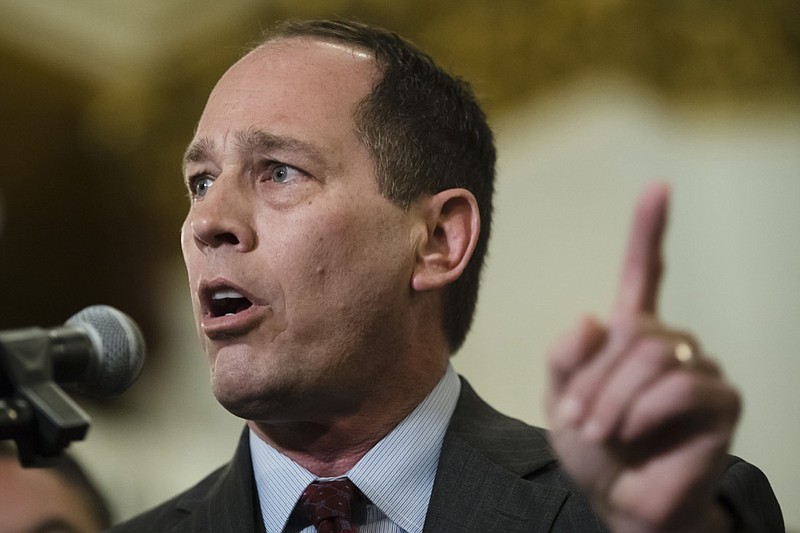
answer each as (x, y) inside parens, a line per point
(639, 421)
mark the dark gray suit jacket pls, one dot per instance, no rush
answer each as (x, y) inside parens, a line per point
(495, 474)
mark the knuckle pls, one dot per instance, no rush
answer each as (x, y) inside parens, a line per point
(654, 355)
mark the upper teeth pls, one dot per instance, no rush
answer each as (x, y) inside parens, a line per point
(225, 293)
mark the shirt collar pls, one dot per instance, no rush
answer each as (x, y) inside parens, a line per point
(396, 475)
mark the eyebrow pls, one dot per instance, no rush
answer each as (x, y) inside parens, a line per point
(198, 150)
(252, 141)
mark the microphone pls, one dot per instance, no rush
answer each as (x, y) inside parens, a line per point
(99, 351)
(113, 361)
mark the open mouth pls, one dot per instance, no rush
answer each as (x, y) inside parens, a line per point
(226, 302)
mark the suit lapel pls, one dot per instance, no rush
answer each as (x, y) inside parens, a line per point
(480, 483)
(229, 504)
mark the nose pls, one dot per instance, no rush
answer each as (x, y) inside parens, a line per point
(223, 217)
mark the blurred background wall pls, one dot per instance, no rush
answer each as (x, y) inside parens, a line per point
(590, 99)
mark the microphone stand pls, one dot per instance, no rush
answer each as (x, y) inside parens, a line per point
(34, 410)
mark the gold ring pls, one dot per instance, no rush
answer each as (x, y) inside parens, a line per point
(687, 355)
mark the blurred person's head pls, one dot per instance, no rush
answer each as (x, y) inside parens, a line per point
(56, 499)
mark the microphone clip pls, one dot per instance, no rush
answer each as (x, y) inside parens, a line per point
(34, 410)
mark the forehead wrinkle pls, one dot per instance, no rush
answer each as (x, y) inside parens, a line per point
(253, 140)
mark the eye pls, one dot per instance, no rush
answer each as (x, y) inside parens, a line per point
(281, 173)
(199, 185)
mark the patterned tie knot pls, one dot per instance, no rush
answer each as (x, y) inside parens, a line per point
(327, 504)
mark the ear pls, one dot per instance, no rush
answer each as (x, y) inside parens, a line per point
(453, 223)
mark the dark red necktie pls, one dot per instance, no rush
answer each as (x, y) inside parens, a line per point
(327, 504)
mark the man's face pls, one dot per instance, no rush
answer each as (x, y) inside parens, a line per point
(299, 269)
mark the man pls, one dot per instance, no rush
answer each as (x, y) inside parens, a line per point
(56, 499)
(340, 188)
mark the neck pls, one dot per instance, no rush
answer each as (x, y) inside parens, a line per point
(331, 447)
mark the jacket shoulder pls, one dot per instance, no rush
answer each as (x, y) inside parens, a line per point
(747, 494)
(172, 512)
(225, 500)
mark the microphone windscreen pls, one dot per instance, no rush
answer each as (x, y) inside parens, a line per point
(119, 347)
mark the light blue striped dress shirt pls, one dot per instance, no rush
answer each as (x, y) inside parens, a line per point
(396, 475)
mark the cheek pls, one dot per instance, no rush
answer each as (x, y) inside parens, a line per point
(356, 263)
(315, 269)
(192, 280)
(186, 239)
(190, 258)
(189, 252)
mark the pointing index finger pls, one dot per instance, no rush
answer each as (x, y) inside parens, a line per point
(642, 266)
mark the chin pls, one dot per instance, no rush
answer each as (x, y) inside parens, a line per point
(253, 401)
(248, 407)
